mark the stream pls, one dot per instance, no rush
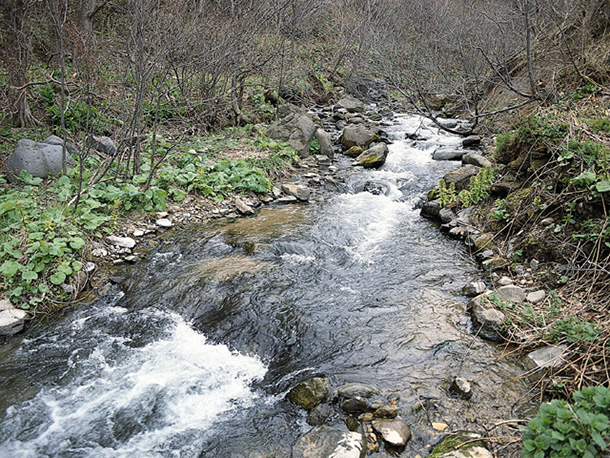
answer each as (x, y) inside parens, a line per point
(194, 353)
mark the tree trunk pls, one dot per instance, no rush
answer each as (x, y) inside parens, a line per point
(84, 16)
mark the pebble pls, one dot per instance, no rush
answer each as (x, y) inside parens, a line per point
(138, 233)
(536, 296)
(461, 387)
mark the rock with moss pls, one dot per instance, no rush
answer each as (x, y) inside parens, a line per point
(374, 157)
(295, 129)
(309, 393)
(461, 444)
(461, 177)
(354, 151)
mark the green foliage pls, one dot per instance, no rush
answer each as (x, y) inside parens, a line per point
(500, 210)
(479, 188)
(446, 194)
(563, 430)
(574, 330)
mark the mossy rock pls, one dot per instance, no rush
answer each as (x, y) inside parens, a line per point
(309, 393)
(453, 442)
(354, 151)
(484, 242)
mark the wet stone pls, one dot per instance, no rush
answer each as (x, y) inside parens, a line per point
(356, 404)
(352, 390)
(386, 411)
(121, 242)
(461, 387)
(394, 432)
(325, 441)
(309, 393)
(474, 289)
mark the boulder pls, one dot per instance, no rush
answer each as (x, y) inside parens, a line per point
(354, 151)
(461, 176)
(352, 390)
(471, 141)
(55, 140)
(243, 207)
(431, 210)
(476, 159)
(536, 296)
(374, 157)
(37, 158)
(326, 143)
(295, 129)
(351, 104)
(309, 393)
(302, 193)
(447, 153)
(121, 242)
(446, 215)
(12, 320)
(474, 289)
(357, 135)
(488, 322)
(102, 144)
(395, 432)
(327, 441)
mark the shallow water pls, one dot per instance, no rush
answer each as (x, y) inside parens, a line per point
(194, 356)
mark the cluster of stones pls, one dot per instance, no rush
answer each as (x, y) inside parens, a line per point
(348, 421)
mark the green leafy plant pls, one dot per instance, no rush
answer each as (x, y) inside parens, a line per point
(446, 194)
(479, 188)
(564, 430)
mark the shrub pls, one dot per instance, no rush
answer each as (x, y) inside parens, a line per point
(562, 430)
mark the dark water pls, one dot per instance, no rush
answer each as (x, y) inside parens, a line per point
(194, 356)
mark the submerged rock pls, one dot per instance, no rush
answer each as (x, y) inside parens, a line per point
(326, 441)
(374, 157)
(309, 393)
(461, 444)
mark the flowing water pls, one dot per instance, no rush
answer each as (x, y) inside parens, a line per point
(195, 353)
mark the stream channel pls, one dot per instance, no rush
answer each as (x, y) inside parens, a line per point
(194, 354)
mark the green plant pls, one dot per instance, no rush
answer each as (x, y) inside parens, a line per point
(574, 330)
(446, 194)
(500, 210)
(564, 430)
(479, 188)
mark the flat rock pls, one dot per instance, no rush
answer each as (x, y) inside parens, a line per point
(287, 200)
(474, 289)
(122, 242)
(511, 293)
(12, 320)
(164, 222)
(394, 432)
(331, 442)
(536, 296)
(546, 358)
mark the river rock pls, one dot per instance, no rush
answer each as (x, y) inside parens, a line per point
(296, 129)
(121, 242)
(352, 390)
(447, 153)
(545, 359)
(431, 210)
(357, 135)
(356, 405)
(374, 157)
(319, 414)
(309, 393)
(471, 141)
(164, 222)
(446, 215)
(102, 144)
(461, 387)
(461, 176)
(12, 320)
(300, 192)
(394, 432)
(511, 293)
(476, 159)
(331, 442)
(536, 296)
(326, 143)
(487, 321)
(243, 207)
(39, 159)
(474, 289)
(354, 151)
(286, 200)
(351, 104)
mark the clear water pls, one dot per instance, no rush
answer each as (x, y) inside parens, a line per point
(194, 356)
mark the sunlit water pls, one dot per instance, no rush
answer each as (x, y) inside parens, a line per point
(194, 356)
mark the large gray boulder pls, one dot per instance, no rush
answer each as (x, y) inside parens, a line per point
(37, 158)
(102, 144)
(351, 104)
(461, 176)
(374, 157)
(357, 135)
(309, 393)
(295, 129)
(326, 441)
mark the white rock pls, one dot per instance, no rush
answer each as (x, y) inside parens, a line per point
(473, 452)
(243, 207)
(164, 222)
(505, 281)
(12, 320)
(394, 432)
(138, 233)
(122, 242)
(511, 293)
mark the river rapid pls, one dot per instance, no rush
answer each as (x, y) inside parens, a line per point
(194, 353)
